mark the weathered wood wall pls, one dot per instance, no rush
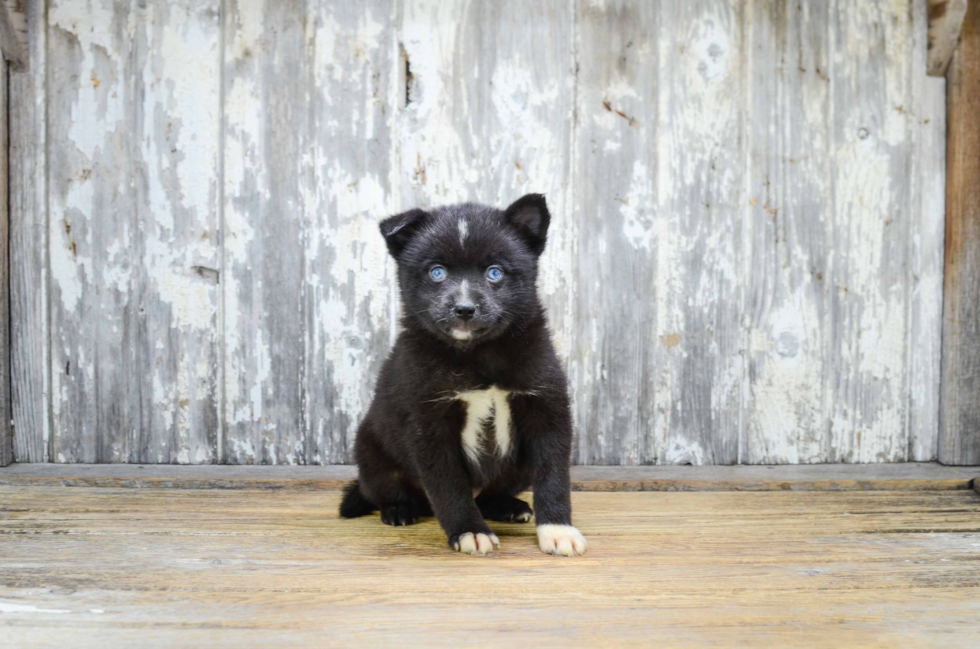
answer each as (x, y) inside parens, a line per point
(745, 263)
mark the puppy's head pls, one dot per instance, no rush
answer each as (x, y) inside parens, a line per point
(467, 272)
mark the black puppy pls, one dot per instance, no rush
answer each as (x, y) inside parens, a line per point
(471, 407)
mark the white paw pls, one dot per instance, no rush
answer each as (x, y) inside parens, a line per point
(523, 517)
(470, 543)
(564, 540)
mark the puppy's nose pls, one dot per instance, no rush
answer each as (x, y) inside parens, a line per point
(464, 310)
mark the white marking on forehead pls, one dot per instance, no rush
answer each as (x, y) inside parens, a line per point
(464, 291)
(481, 405)
(464, 229)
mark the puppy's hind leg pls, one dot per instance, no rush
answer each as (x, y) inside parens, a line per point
(501, 507)
(383, 482)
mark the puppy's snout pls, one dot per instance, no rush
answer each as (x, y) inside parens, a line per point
(464, 310)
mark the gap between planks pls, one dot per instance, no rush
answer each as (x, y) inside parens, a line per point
(814, 477)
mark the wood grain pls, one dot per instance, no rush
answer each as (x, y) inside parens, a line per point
(133, 224)
(617, 363)
(868, 127)
(945, 22)
(152, 568)
(6, 428)
(29, 269)
(267, 167)
(959, 436)
(743, 266)
(349, 298)
(927, 196)
(786, 297)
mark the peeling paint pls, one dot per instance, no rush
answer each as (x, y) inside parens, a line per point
(744, 262)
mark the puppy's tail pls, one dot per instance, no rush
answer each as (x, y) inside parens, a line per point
(354, 503)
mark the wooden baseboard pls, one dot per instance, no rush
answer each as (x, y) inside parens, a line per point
(816, 477)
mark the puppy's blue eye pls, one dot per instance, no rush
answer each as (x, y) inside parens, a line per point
(438, 273)
(494, 274)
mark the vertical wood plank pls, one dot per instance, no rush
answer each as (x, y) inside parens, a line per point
(29, 343)
(927, 185)
(133, 195)
(6, 431)
(268, 146)
(348, 290)
(959, 438)
(618, 364)
(786, 296)
(701, 197)
(866, 381)
(93, 231)
(176, 149)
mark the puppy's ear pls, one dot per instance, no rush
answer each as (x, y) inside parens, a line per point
(529, 216)
(399, 229)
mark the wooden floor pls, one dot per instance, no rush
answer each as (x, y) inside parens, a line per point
(109, 567)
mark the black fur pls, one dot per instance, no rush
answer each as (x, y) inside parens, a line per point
(409, 453)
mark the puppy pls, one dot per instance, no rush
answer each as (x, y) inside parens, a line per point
(471, 407)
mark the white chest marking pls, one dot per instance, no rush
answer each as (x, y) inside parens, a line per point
(482, 405)
(464, 229)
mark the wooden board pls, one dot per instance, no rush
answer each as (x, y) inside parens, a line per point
(927, 230)
(959, 435)
(107, 568)
(869, 219)
(266, 158)
(349, 298)
(814, 477)
(29, 270)
(617, 362)
(6, 429)
(308, 296)
(788, 206)
(743, 266)
(133, 133)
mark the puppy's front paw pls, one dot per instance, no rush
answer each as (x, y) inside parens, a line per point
(564, 540)
(479, 543)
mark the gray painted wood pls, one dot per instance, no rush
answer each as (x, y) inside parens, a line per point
(349, 301)
(133, 227)
(6, 429)
(29, 344)
(616, 359)
(927, 191)
(701, 156)
(869, 132)
(744, 263)
(787, 210)
(959, 431)
(308, 301)
(268, 157)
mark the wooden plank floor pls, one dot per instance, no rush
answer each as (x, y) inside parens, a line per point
(105, 567)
